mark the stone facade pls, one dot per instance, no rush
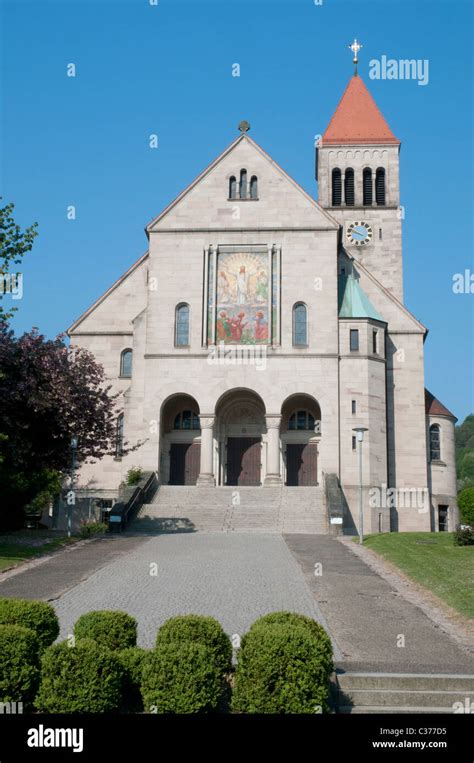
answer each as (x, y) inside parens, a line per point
(298, 401)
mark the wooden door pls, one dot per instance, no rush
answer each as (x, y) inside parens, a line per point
(185, 463)
(243, 461)
(302, 464)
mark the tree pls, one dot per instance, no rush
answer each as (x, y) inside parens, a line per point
(466, 505)
(49, 392)
(14, 243)
(465, 452)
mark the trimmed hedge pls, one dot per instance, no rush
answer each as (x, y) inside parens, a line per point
(111, 628)
(19, 664)
(464, 536)
(283, 667)
(199, 629)
(132, 661)
(85, 678)
(181, 678)
(89, 529)
(39, 616)
(324, 645)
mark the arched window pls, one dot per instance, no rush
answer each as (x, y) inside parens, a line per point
(300, 325)
(119, 436)
(232, 188)
(186, 420)
(254, 187)
(182, 326)
(301, 420)
(336, 188)
(435, 442)
(367, 186)
(243, 184)
(349, 187)
(380, 186)
(126, 364)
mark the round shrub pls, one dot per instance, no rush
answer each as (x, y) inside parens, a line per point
(39, 616)
(466, 505)
(198, 629)
(111, 628)
(132, 661)
(281, 670)
(85, 678)
(324, 646)
(19, 664)
(181, 678)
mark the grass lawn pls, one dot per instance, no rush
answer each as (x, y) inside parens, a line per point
(432, 560)
(18, 547)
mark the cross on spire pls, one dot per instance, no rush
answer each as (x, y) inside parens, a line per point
(355, 47)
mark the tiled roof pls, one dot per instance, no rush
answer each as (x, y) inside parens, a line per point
(357, 119)
(433, 407)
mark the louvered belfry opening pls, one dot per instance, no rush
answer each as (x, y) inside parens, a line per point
(380, 187)
(367, 186)
(336, 188)
(349, 187)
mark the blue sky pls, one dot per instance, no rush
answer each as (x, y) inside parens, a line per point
(166, 69)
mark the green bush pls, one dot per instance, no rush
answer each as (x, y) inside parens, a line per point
(134, 476)
(84, 678)
(19, 664)
(93, 528)
(282, 668)
(181, 678)
(199, 629)
(466, 505)
(111, 628)
(37, 615)
(464, 537)
(132, 661)
(324, 645)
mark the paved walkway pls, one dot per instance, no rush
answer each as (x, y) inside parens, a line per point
(368, 617)
(233, 577)
(237, 578)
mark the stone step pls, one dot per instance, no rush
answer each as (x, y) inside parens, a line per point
(366, 692)
(402, 698)
(396, 710)
(213, 509)
(403, 681)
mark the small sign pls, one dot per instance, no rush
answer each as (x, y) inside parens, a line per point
(115, 519)
(336, 520)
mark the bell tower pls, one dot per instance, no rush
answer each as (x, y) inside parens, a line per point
(358, 182)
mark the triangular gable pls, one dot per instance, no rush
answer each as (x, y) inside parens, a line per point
(73, 328)
(325, 219)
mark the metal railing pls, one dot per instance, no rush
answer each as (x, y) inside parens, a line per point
(133, 498)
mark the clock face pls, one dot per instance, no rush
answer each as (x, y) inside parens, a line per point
(359, 233)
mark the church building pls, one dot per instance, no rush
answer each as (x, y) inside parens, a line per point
(262, 340)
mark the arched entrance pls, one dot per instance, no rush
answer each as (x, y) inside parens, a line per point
(300, 436)
(240, 432)
(180, 451)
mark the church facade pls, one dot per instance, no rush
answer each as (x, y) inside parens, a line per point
(263, 327)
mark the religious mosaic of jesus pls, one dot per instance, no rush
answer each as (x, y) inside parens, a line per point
(242, 298)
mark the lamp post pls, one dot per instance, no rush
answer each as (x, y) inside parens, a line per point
(73, 467)
(360, 439)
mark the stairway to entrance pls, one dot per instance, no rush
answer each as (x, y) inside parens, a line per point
(234, 509)
(403, 692)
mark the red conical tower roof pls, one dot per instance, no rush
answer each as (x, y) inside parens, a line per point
(357, 119)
